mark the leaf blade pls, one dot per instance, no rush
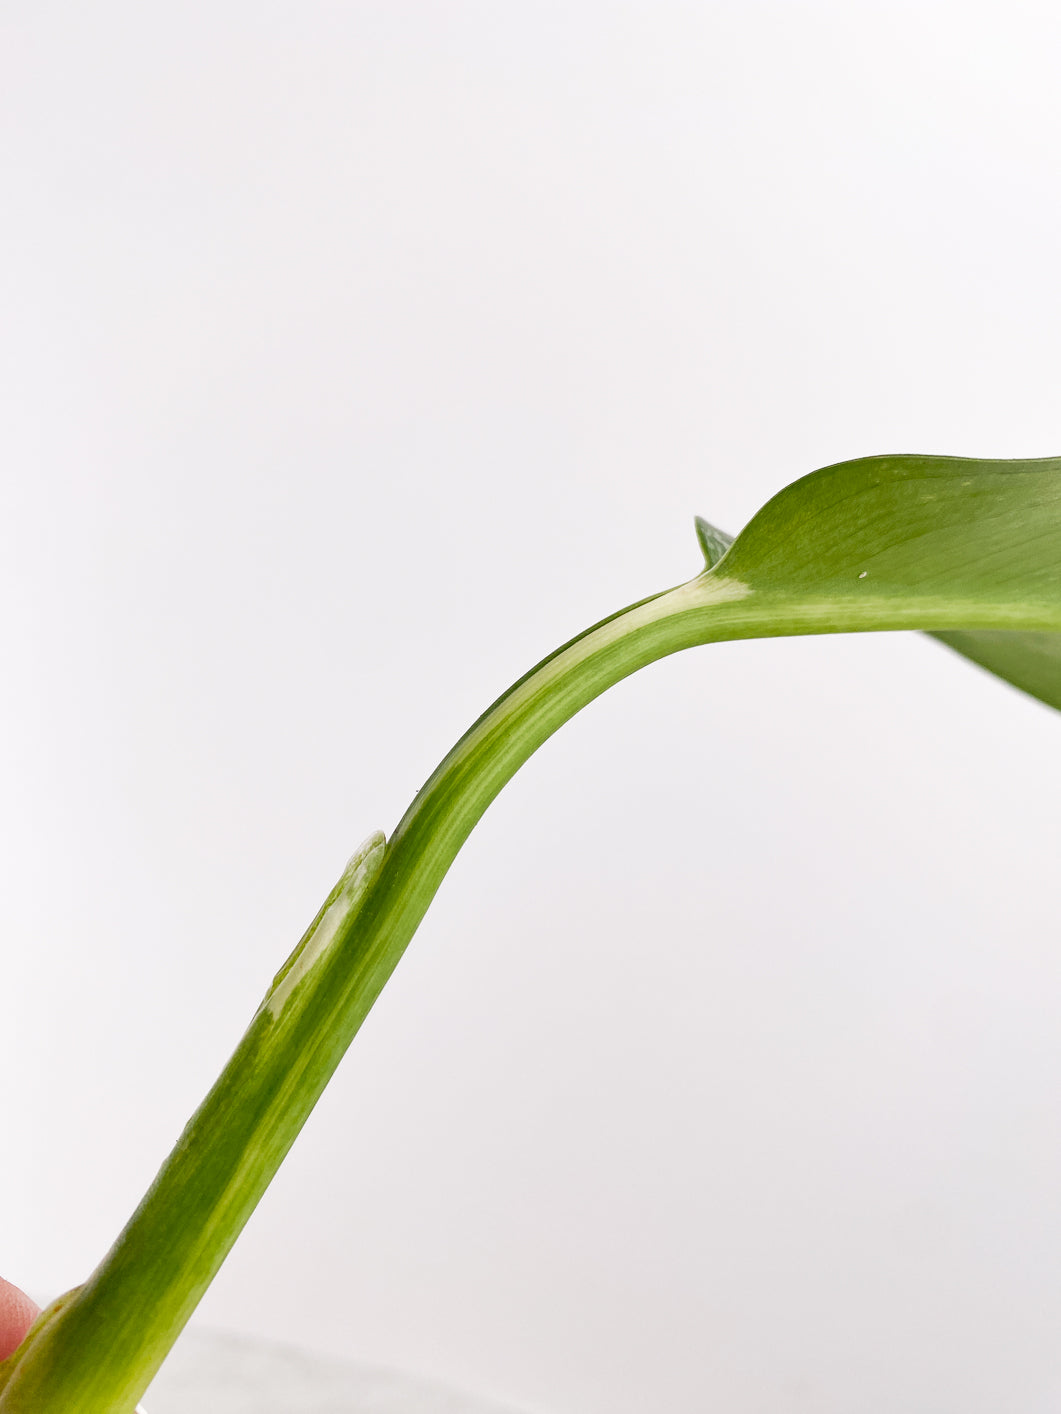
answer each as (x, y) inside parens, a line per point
(1030, 662)
(977, 530)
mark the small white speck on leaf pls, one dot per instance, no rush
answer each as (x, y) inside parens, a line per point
(863, 574)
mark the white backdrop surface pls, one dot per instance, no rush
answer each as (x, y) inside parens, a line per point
(352, 356)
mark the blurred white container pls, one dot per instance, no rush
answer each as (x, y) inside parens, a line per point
(211, 1373)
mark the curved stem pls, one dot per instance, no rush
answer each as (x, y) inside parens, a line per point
(97, 1351)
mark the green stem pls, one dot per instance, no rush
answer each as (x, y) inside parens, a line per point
(98, 1352)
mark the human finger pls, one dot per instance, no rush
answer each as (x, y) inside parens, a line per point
(17, 1314)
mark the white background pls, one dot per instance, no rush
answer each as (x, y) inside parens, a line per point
(353, 356)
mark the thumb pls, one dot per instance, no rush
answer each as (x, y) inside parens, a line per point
(17, 1314)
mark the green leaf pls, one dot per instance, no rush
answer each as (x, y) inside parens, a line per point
(964, 537)
(969, 550)
(1005, 515)
(1030, 661)
(713, 542)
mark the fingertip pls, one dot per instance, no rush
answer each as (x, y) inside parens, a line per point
(17, 1314)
